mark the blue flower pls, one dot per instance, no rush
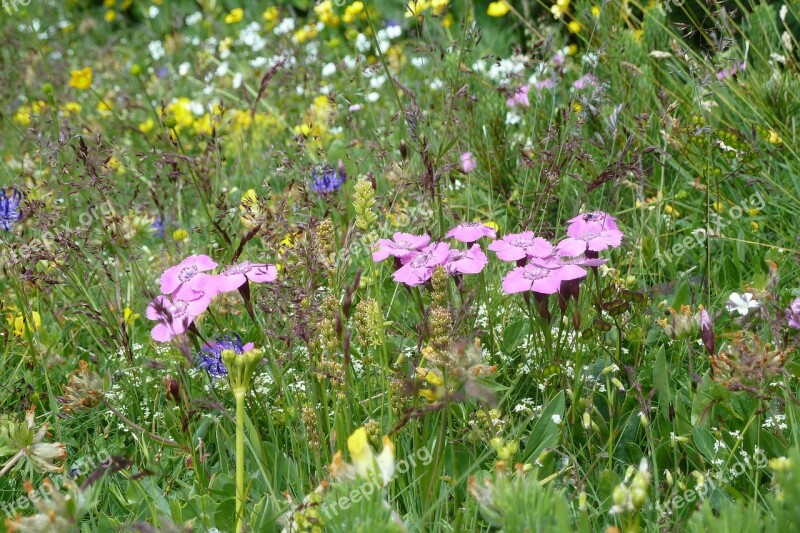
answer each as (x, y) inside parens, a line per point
(328, 180)
(209, 358)
(9, 208)
(158, 226)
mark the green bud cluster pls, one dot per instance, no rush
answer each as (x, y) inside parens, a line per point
(241, 368)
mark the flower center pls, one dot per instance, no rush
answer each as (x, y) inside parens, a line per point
(421, 260)
(589, 236)
(521, 242)
(187, 273)
(533, 274)
(177, 309)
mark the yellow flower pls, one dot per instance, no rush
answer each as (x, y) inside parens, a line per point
(180, 235)
(81, 79)
(416, 7)
(109, 3)
(572, 49)
(447, 20)
(305, 33)
(72, 108)
(352, 10)
(104, 108)
(324, 11)
(574, 26)
(595, 11)
(147, 126)
(21, 324)
(270, 14)
(439, 6)
(236, 15)
(110, 15)
(364, 460)
(754, 225)
(114, 164)
(22, 116)
(498, 9)
(774, 138)
(129, 316)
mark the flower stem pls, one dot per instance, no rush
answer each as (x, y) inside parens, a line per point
(239, 461)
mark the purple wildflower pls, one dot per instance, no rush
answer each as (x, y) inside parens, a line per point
(329, 180)
(209, 358)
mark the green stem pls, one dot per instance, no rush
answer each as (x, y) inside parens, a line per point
(239, 461)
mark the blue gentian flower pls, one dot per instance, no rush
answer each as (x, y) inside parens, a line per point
(209, 358)
(9, 208)
(328, 180)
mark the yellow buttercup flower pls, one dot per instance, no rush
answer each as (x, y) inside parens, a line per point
(439, 6)
(498, 9)
(180, 235)
(595, 11)
(574, 26)
(81, 79)
(235, 15)
(774, 138)
(110, 15)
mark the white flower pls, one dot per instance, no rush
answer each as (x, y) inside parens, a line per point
(556, 419)
(329, 69)
(362, 43)
(183, 68)
(373, 97)
(284, 27)
(156, 50)
(237, 80)
(512, 118)
(152, 12)
(194, 18)
(741, 304)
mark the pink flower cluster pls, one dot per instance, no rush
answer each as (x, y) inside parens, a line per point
(416, 257)
(546, 269)
(187, 290)
(542, 267)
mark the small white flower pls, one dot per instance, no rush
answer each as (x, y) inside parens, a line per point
(152, 12)
(373, 97)
(512, 118)
(329, 69)
(741, 303)
(237, 80)
(556, 419)
(183, 68)
(436, 84)
(194, 18)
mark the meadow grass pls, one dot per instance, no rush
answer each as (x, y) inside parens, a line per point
(658, 391)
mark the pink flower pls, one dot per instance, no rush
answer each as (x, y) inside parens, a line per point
(590, 242)
(516, 246)
(548, 83)
(403, 245)
(174, 316)
(418, 268)
(590, 223)
(471, 231)
(532, 278)
(468, 163)
(793, 314)
(185, 281)
(520, 97)
(235, 276)
(471, 261)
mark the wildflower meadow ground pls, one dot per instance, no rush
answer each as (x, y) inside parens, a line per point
(389, 266)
